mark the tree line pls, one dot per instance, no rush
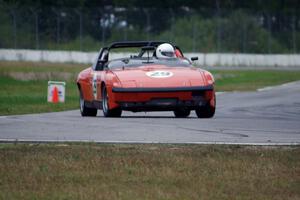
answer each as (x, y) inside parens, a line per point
(258, 26)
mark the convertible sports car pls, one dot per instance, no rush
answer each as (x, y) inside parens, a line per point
(155, 78)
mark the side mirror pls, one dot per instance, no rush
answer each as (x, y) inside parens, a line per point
(194, 58)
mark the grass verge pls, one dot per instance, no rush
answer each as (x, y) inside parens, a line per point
(91, 171)
(250, 80)
(24, 84)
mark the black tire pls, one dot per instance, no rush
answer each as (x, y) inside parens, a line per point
(182, 113)
(206, 111)
(106, 111)
(84, 110)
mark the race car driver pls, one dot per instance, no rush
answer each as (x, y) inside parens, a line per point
(165, 50)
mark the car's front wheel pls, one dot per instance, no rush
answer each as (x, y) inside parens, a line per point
(105, 107)
(84, 110)
(182, 113)
(206, 111)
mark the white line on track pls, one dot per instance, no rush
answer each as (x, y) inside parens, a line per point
(150, 142)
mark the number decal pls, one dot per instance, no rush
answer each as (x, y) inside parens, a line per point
(159, 74)
(94, 85)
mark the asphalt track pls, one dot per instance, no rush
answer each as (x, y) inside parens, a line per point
(267, 117)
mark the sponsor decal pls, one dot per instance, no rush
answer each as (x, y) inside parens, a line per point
(159, 74)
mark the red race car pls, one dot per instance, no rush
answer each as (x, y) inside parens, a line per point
(157, 77)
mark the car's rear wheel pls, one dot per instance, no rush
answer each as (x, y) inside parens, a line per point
(182, 113)
(105, 107)
(206, 111)
(84, 110)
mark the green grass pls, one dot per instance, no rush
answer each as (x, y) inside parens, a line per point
(24, 84)
(91, 171)
(19, 97)
(247, 80)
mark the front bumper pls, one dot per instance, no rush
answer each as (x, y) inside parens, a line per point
(162, 99)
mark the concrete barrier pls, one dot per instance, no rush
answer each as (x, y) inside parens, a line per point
(249, 60)
(47, 56)
(209, 59)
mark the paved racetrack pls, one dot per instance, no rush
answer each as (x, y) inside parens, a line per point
(269, 116)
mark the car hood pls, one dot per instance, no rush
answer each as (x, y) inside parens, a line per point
(160, 76)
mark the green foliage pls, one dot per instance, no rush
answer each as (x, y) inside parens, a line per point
(239, 33)
(193, 33)
(242, 33)
(6, 30)
(233, 30)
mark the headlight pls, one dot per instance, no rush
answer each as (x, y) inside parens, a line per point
(209, 78)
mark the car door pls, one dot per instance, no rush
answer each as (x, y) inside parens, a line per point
(96, 79)
(97, 74)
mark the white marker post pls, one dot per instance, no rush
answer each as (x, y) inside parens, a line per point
(56, 91)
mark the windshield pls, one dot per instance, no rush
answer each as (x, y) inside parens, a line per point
(137, 62)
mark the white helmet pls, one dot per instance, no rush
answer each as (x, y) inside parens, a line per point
(165, 50)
